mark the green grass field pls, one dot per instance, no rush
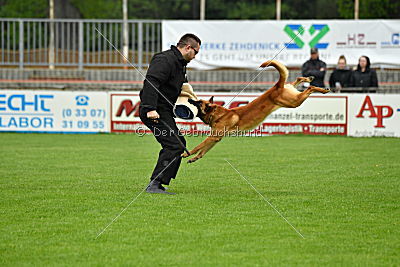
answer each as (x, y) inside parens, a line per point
(59, 191)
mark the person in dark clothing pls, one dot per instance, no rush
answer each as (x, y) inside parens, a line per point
(161, 88)
(340, 77)
(314, 67)
(364, 76)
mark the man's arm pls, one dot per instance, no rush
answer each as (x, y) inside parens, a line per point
(157, 74)
(318, 73)
(304, 70)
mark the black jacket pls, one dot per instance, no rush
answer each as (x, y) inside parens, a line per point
(342, 76)
(364, 79)
(312, 68)
(167, 73)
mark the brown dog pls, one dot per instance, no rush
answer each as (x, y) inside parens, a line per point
(225, 121)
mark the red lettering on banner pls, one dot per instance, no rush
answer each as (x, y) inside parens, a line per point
(128, 106)
(361, 37)
(380, 116)
(367, 105)
(378, 113)
(351, 39)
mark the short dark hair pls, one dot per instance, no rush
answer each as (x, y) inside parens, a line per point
(188, 39)
(314, 50)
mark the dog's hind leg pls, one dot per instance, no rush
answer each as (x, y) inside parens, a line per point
(300, 80)
(293, 99)
(318, 89)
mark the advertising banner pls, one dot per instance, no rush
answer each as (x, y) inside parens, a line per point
(318, 115)
(124, 113)
(53, 111)
(374, 115)
(247, 44)
(360, 115)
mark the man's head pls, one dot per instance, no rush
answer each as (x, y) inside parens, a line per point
(314, 53)
(189, 46)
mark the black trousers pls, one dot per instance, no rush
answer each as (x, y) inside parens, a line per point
(171, 148)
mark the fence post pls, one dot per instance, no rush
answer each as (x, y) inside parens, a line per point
(51, 41)
(125, 35)
(80, 45)
(21, 44)
(140, 45)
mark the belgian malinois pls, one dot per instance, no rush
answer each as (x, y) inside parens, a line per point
(225, 121)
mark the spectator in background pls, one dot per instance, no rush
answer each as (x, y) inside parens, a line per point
(341, 76)
(364, 76)
(314, 67)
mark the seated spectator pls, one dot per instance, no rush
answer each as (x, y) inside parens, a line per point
(314, 67)
(341, 76)
(364, 76)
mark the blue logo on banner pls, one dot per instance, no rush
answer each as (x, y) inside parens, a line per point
(82, 100)
(395, 39)
(20, 102)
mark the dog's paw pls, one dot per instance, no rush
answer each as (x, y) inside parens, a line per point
(326, 90)
(311, 78)
(185, 155)
(192, 160)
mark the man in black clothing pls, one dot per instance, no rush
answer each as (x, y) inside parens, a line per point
(314, 67)
(161, 88)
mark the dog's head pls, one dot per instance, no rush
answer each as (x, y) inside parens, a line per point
(205, 107)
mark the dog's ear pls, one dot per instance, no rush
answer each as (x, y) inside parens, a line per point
(211, 100)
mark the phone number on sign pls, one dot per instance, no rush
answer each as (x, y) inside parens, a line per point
(83, 124)
(80, 112)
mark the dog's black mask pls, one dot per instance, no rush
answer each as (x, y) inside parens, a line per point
(197, 104)
(202, 106)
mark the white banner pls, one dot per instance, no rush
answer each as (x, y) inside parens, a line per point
(247, 44)
(317, 115)
(53, 111)
(374, 115)
(91, 112)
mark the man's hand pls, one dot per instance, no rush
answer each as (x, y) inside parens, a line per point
(153, 115)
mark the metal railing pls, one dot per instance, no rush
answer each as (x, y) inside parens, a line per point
(76, 43)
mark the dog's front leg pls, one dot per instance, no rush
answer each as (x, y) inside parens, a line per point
(204, 147)
(194, 150)
(218, 131)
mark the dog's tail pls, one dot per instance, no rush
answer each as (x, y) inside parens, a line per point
(281, 68)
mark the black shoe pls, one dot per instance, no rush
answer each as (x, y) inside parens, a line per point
(163, 187)
(156, 187)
